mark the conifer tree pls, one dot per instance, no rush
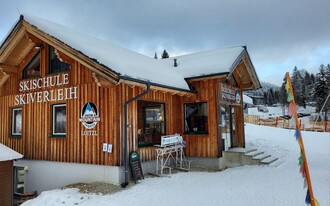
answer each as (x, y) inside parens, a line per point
(297, 85)
(165, 55)
(283, 96)
(321, 90)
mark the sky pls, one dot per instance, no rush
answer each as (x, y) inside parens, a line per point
(279, 34)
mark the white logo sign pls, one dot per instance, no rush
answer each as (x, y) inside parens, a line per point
(89, 115)
(237, 97)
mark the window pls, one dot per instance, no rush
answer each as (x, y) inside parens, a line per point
(59, 120)
(33, 68)
(19, 174)
(16, 124)
(151, 123)
(195, 118)
(55, 63)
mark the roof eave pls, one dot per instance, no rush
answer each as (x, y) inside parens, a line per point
(91, 63)
(237, 61)
(13, 31)
(166, 87)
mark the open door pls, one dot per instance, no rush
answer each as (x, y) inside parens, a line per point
(228, 118)
(233, 129)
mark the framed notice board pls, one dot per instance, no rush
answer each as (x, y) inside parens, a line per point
(136, 169)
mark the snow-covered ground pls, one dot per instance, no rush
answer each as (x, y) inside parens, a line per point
(248, 185)
(278, 111)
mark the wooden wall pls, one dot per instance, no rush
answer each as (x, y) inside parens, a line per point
(6, 182)
(173, 107)
(37, 142)
(203, 145)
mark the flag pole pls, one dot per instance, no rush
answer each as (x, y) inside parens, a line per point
(301, 143)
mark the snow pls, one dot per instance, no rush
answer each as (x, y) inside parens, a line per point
(247, 99)
(206, 63)
(8, 154)
(131, 64)
(248, 185)
(278, 111)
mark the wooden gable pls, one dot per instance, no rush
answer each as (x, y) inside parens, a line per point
(25, 38)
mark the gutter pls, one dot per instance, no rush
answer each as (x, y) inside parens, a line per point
(155, 84)
(207, 75)
(125, 183)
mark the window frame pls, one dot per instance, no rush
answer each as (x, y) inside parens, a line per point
(24, 76)
(54, 106)
(184, 119)
(12, 133)
(144, 122)
(49, 62)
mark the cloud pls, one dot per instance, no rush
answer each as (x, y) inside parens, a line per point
(279, 34)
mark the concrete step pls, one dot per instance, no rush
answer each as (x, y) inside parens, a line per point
(254, 153)
(269, 160)
(276, 163)
(240, 150)
(248, 150)
(261, 156)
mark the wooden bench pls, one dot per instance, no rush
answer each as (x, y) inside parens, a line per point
(20, 198)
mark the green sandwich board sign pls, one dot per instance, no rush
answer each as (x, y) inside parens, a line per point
(136, 169)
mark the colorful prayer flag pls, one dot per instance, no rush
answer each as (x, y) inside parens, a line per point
(291, 110)
(308, 198)
(302, 162)
(296, 134)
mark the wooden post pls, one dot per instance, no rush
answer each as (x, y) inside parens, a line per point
(325, 126)
(309, 182)
(276, 121)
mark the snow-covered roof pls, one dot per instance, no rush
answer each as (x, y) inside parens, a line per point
(123, 61)
(137, 66)
(206, 63)
(247, 99)
(8, 154)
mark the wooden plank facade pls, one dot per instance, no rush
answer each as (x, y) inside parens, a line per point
(109, 94)
(6, 182)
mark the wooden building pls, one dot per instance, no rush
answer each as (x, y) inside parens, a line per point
(7, 157)
(63, 97)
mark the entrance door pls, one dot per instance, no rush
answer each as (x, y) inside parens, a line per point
(228, 126)
(234, 133)
(225, 127)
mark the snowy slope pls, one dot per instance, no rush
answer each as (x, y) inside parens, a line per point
(249, 185)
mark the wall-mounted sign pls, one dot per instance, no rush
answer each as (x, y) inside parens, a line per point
(89, 115)
(45, 95)
(237, 97)
(229, 94)
(107, 147)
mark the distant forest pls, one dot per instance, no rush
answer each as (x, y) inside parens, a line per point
(309, 89)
